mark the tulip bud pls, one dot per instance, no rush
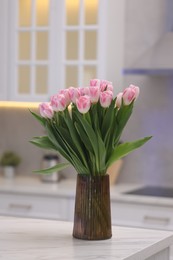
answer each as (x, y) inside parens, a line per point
(74, 93)
(106, 98)
(104, 84)
(118, 101)
(65, 92)
(59, 102)
(70, 110)
(83, 104)
(109, 87)
(46, 110)
(128, 96)
(94, 93)
(136, 89)
(94, 82)
(84, 91)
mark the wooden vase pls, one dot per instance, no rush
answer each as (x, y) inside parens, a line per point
(92, 216)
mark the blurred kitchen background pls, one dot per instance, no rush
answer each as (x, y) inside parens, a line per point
(47, 45)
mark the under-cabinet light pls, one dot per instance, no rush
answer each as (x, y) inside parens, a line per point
(16, 104)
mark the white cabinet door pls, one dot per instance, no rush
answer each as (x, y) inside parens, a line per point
(54, 45)
(142, 215)
(35, 49)
(84, 38)
(48, 45)
(3, 50)
(35, 206)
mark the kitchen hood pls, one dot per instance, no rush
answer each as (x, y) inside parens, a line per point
(159, 58)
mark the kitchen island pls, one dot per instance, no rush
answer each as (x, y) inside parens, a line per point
(22, 238)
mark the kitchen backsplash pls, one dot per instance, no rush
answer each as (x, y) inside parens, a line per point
(151, 164)
(17, 127)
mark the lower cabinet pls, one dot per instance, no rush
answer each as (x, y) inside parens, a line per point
(35, 206)
(62, 208)
(142, 215)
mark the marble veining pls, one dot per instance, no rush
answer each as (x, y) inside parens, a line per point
(48, 240)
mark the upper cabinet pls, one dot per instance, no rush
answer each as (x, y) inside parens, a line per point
(53, 44)
(81, 41)
(3, 50)
(30, 54)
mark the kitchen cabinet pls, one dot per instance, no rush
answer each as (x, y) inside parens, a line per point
(48, 45)
(51, 45)
(142, 215)
(34, 206)
(3, 50)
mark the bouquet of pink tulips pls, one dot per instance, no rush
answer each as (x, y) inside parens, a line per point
(85, 124)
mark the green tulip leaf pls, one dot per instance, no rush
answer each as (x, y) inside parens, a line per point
(125, 148)
(55, 168)
(43, 142)
(40, 119)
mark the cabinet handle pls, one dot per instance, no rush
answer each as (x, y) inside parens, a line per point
(156, 220)
(19, 206)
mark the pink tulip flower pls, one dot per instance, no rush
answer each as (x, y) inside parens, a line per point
(118, 101)
(110, 87)
(83, 104)
(106, 98)
(74, 93)
(104, 84)
(94, 93)
(94, 82)
(46, 110)
(65, 92)
(84, 91)
(54, 102)
(59, 102)
(128, 96)
(136, 89)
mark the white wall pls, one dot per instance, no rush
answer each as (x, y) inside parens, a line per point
(17, 128)
(152, 164)
(115, 32)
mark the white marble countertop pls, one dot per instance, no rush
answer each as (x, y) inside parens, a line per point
(34, 186)
(35, 239)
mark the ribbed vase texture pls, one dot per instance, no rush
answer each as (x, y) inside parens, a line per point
(92, 217)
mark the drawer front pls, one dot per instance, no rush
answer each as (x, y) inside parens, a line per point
(141, 215)
(33, 206)
(158, 217)
(127, 214)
